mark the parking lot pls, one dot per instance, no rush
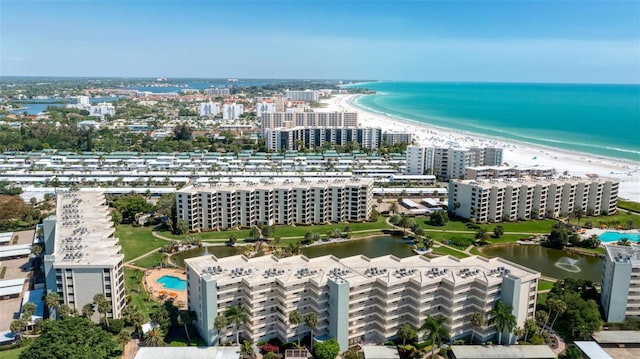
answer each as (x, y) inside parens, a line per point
(16, 269)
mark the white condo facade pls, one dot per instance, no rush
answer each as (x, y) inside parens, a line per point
(357, 299)
(217, 92)
(450, 162)
(531, 198)
(295, 138)
(82, 255)
(232, 111)
(279, 201)
(494, 172)
(308, 119)
(306, 95)
(620, 296)
(209, 109)
(264, 107)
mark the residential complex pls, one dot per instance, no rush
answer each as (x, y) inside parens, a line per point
(356, 298)
(232, 111)
(490, 172)
(315, 137)
(308, 119)
(209, 109)
(450, 162)
(95, 110)
(269, 202)
(620, 296)
(82, 255)
(531, 198)
(217, 92)
(264, 107)
(306, 95)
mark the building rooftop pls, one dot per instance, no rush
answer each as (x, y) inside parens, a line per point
(592, 350)
(380, 352)
(84, 232)
(502, 352)
(188, 353)
(617, 337)
(286, 183)
(623, 254)
(356, 269)
(504, 182)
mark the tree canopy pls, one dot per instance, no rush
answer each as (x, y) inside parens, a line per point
(71, 338)
(328, 349)
(130, 205)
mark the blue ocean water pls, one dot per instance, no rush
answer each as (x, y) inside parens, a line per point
(603, 120)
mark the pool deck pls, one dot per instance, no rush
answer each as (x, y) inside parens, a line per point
(598, 231)
(158, 292)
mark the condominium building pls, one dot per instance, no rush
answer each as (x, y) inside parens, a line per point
(306, 95)
(451, 162)
(96, 110)
(269, 202)
(209, 109)
(232, 111)
(308, 119)
(621, 283)
(492, 172)
(394, 138)
(82, 255)
(531, 198)
(263, 107)
(315, 137)
(216, 92)
(357, 298)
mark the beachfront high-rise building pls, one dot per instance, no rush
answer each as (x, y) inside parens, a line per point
(494, 172)
(82, 255)
(308, 119)
(83, 100)
(209, 109)
(451, 162)
(306, 95)
(232, 111)
(313, 137)
(357, 299)
(394, 138)
(531, 198)
(269, 202)
(620, 296)
(263, 107)
(216, 92)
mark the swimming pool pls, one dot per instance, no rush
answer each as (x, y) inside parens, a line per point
(173, 283)
(608, 237)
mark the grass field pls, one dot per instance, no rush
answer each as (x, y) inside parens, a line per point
(544, 285)
(136, 241)
(621, 218)
(134, 288)
(534, 226)
(448, 251)
(11, 354)
(629, 205)
(149, 261)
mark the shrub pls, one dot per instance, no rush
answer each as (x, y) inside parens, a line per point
(270, 348)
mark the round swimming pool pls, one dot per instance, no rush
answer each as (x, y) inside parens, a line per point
(172, 283)
(609, 236)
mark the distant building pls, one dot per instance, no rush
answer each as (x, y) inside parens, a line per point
(620, 296)
(530, 198)
(450, 162)
(495, 172)
(357, 299)
(87, 124)
(82, 255)
(307, 201)
(263, 107)
(232, 111)
(298, 137)
(394, 138)
(208, 109)
(306, 95)
(419, 160)
(217, 92)
(308, 119)
(83, 100)
(96, 110)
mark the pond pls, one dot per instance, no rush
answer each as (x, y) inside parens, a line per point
(550, 262)
(370, 247)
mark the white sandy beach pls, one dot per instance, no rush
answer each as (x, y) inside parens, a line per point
(515, 153)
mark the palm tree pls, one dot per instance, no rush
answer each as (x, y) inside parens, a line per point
(154, 338)
(477, 321)
(407, 331)
(394, 207)
(237, 316)
(52, 300)
(435, 331)
(246, 349)
(18, 326)
(503, 319)
(64, 311)
(87, 310)
(542, 317)
(311, 320)
(102, 305)
(558, 306)
(530, 325)
(186, 317)
(220, 323)
(295, 318)
(123, 337)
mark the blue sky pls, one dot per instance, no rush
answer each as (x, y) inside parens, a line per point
(515, 41)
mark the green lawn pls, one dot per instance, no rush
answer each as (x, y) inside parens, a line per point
(11, 354)
(136, 241)
(542, 298)
(545, 285)
(629, 205)
(621, 218)
(133, 284)
(150, 260)
(533, 226)
(448, 251)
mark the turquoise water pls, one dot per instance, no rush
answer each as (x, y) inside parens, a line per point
(173, 283)
(608, 237)
(602, 120)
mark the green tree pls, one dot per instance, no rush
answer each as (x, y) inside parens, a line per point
(102, 305)
(182, 132)
(154, 338)
(72, 338)
(237, 316)
(503, 318)
(64, 311)
(328, 349)
(295, 318)
(233, 239)
(52, 301)
(435, 331)
(185, 318)
(572, 352)
(18, 326)
(311, 321)
(558, 306)
(438, 218)
(87, 310)
(542, 318)
(498, 231)
(407, 332)
(406, 222)
(220, 323)
(255, 232)
(181, 227)
(116, 216)
(124, 337)
(477, 321)
(130, 205)
(482, 235)
(530, 326)
(394, 207)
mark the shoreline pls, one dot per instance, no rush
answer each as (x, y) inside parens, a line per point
(523, 154)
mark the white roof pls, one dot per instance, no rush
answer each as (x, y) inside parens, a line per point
(11, 282)
(502, 352)
(11, 286)
(592, 350)
(617, 336)
(379, 352)
(188, 353)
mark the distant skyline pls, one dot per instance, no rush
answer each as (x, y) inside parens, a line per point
(495, 41)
